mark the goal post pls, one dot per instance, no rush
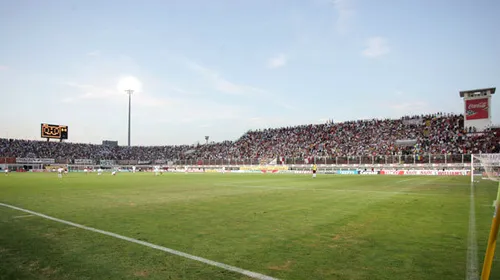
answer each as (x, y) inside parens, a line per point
(489, 166)
(472, 169)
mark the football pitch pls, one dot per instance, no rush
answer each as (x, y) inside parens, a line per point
(237, 226)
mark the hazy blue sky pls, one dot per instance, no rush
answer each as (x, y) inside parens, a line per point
(219, 67)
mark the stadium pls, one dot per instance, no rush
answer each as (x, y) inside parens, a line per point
(318, 139)
(250, 208)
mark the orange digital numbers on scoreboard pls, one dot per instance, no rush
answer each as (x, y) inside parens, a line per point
(54, 131)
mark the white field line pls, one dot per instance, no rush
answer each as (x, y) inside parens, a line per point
(472, 261)
(248, 273)
(22, 216)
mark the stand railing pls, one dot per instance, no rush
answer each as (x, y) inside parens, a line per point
(341, 160)
(350, 160)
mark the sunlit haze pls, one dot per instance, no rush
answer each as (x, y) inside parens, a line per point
(219, 68)
(129, 83)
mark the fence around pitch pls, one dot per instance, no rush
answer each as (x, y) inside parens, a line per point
(341, 161)
(352, 160)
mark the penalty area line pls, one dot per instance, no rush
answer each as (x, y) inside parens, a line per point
(245, 272)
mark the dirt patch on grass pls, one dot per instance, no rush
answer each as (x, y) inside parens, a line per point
(141, 273)
(58, 232)
(33, 265)
(352, 232)
(284, 267)
(48, 271)
(35, 268)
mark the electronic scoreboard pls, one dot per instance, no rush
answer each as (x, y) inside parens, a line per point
(54, 131)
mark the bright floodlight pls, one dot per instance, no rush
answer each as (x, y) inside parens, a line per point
(129, 82)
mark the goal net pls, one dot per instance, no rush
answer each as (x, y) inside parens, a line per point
(487, 167)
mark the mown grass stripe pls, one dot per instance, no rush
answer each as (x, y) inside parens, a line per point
(245, 272)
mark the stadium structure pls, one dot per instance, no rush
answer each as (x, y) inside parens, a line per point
(418, 142)
(410, 197)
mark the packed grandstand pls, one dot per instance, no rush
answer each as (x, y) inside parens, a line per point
(429, 134)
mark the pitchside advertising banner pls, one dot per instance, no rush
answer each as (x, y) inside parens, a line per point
(368, 172)
(347, 172)
(265, 168)
(426, 172)
(53, 167)
(83, 161)
(476, 109)
(107, 162)
(190, 170)
(35, 160)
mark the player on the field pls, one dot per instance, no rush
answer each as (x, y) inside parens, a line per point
(6, 171)
(157, 170)
(114, 172)
(314, 169)
(99, 171)
(86, 171)
(60, 172)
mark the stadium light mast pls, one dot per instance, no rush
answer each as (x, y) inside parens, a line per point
(129, 92)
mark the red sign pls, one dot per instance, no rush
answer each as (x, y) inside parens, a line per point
(392, 172)
(7, 160)
(476, 109)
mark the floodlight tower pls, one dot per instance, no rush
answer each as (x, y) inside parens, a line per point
(129, 92)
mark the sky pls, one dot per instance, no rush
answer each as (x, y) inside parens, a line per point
(219, 68)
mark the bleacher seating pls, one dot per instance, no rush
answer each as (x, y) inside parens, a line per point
(436, 134)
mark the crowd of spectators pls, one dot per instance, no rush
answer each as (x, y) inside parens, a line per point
(437, 134)
(62, 150)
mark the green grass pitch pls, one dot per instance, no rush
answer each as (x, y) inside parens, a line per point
(284, 226)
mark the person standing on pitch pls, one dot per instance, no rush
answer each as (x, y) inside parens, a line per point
(314, 168)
